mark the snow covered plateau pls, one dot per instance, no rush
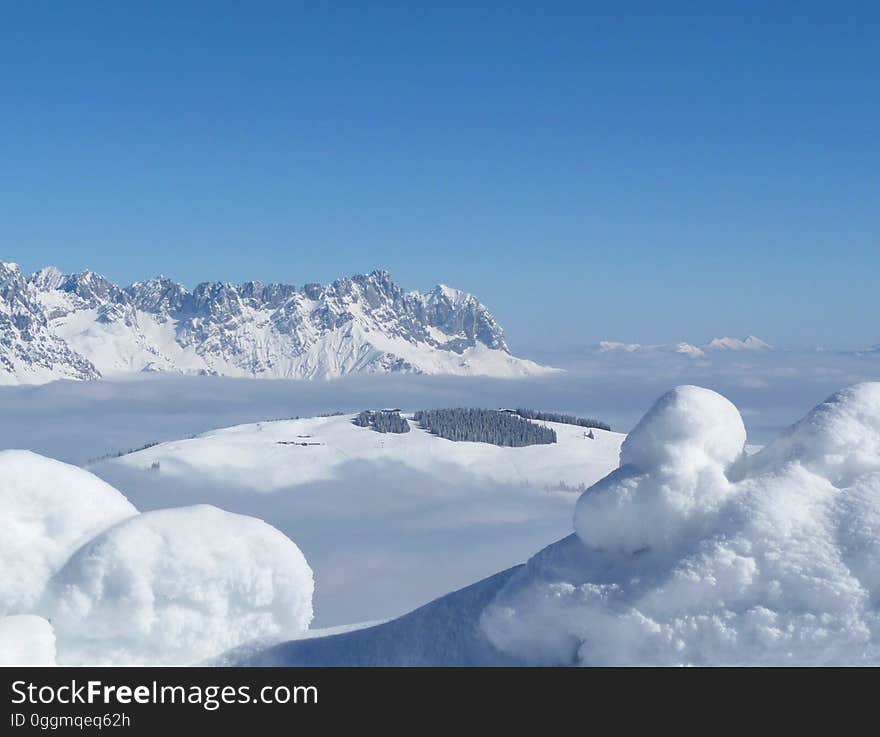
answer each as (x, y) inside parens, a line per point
(82, 326)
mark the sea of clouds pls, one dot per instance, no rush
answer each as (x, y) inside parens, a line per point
(691, 552)
(79, 421)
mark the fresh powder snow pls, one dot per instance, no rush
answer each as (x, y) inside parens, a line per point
(48, 509)
(172, 586)
(26, 639)
(176, 586)
(692, 553)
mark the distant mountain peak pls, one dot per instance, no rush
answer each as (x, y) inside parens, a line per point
(751, 343)
(685, 349)
(49, 277)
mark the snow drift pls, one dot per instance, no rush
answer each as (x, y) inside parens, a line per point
(672, 470)
(692, 553)
(171, 586)
(176, 586)
(47, 510)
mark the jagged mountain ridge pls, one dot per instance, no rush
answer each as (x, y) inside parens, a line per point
(28, 347)
(82, 326)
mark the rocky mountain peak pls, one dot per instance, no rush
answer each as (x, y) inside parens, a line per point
(47, 278)
(92, 288)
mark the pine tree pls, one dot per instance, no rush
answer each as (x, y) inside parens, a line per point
(531, 414)
(382, 421)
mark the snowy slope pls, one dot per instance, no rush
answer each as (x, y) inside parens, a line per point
(690, 553)
(444, 633)
(257, 457)
(83, 326)
(387, 521)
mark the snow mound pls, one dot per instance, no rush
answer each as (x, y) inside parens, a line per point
(690, 553)
(839, 439)
(26, 639)
(47, 510)
(685, 426)
(672, 474)
(176, 586)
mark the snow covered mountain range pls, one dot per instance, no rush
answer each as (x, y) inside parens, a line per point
(82, 326)
(751, 343)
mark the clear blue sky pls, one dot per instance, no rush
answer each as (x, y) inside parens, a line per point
(634, 171)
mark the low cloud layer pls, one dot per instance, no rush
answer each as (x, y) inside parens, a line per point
(79, 421)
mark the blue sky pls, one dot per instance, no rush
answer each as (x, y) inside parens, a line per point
(630, 171)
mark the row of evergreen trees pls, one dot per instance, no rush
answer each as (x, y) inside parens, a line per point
(484, 426)
(382, 421)
(531, 414)
(121, 453)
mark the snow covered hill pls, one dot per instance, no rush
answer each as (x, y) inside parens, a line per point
(443, 633)
(82, 326)
(387, 521)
